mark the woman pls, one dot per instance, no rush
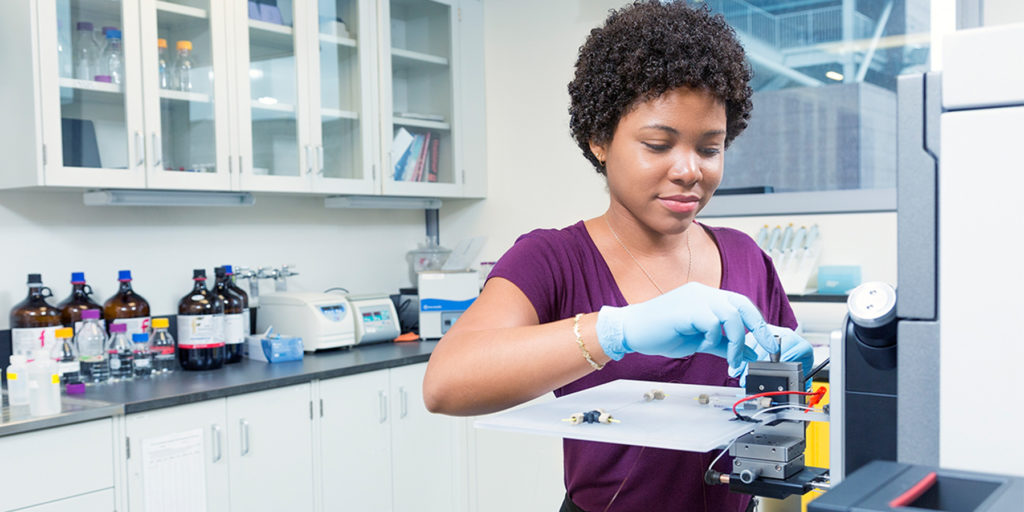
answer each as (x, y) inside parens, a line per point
(643, 291)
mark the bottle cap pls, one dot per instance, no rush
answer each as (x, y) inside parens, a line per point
(113, 34)
(78, 278)
(219, 272)
(198, 273)
(107, 29)
(35, 279)
(160, 323)
(65, 333)
(102, 78)
(229, 270)
(124, 275)
(184, 45)
(18, 359)
(90, 314)
(84, 25)
(140, 337)
(76, 388)
(119, 328)
(161, 43)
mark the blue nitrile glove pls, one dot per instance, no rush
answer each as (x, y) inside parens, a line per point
(689, 319)
(794, 349)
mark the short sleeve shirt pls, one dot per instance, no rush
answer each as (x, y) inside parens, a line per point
(562, 273)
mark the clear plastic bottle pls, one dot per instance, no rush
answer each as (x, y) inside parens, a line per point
(165, 70)
(142, 356)
(119, 353)
(86, 52)
(43, 385)
(91, 339)
(113, 58)
(65, 354)
(65, 60)
(183, 66)
(162, 345)
(17, 381)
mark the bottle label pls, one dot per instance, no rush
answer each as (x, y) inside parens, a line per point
(233, 329)
(200, 331)
(246, 322)
(142, 363)
(25, 342)
(115, 363)
(135, 325)
(66, 367)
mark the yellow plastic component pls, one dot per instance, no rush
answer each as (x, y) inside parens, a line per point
(816, 454)
(160, 323)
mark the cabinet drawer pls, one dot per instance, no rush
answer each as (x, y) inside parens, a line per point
(76, 459)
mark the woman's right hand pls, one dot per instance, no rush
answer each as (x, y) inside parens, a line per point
(689, 319)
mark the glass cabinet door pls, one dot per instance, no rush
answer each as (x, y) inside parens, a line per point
(186, 114)
(344, 128)
(419, 105)
(91, 94)
(271, 131)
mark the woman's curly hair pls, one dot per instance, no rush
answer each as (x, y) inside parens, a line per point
(646, 49)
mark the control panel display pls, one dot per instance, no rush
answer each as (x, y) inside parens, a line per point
(374, 319)
(334, 312)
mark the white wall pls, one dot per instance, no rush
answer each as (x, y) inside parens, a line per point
(52, 233)
(537, 177)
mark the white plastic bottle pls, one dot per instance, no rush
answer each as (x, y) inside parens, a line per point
(43, 385)
(17, 381)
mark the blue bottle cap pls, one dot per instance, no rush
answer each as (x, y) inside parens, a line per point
(114, 34)
(124, 275)
(228, 270)
(140, 337)
(78, 277)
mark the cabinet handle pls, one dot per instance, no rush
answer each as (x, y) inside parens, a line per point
(231, 166)
(320, 160)
(309, 160)
(404, 401)
(245, 436)
(383, 397)
(241, 169)
(139, 149)
(157, 151)
(215, 434)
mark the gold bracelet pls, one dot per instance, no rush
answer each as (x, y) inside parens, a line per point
(579, 341)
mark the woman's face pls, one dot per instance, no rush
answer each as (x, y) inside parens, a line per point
(665, 159)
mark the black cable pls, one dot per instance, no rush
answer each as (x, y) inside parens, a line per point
(816, 370)
(337, 288)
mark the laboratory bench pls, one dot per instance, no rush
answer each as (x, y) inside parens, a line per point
(182, 387)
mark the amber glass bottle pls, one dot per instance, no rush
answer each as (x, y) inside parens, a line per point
(34, 322)
(127, 307)
(246, 318)
(200, 327)
(234, 330)
(71, 308)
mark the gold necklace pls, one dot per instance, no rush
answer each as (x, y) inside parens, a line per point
(689, 257)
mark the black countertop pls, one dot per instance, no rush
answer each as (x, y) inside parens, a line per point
(181, 387)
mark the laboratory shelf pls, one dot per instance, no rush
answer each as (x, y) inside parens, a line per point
(181, 10)
(409, 56)
(271, 30)
(272, 111)
(421, 123)
(340, 41)
(331, 114)
(91, 86)
(195, 97)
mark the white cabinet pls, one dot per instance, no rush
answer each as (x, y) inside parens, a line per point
(270, 450)
(246, 452)
(185, 449)
(80, 457)
(381, 450)
(306, 98)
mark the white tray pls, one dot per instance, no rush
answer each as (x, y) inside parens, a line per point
(679, 422)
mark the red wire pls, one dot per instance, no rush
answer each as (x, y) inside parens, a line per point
(819, 393)
(914, 492)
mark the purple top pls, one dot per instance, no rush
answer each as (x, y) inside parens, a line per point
(562, 273)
